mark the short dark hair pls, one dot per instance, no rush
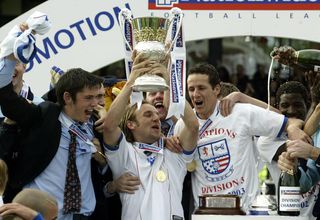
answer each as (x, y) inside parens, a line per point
(74, 81)
(209, 70)
(292, 87)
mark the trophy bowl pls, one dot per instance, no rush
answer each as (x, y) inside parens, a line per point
(149, 35)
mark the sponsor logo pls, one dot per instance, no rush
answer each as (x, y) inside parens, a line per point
(235, 4)
(179, 72)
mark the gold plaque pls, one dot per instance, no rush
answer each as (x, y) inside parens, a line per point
(161, 176)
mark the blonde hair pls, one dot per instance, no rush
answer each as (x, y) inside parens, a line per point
(37, 200)
(130, 115)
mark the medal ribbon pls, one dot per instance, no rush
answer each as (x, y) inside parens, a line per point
(73, 127)
(204, 127)
(81, 134)
(155, 148)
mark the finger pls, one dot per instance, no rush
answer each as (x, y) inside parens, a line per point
(99, 121)
(133, 188)
(132, 179)
(23, 26)
(229, 108)
(172, 148)
(134, 54)
(128, 191)
(308, 139)
(140, 57)
(134, 183)
(143, 66)
(95, 141)
(178, 148)
(99, 128)
(222, 109)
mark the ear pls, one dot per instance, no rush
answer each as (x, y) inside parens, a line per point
(217, 89)
(131, 125)
(67, 98)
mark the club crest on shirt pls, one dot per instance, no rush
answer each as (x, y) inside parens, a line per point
(214, 156)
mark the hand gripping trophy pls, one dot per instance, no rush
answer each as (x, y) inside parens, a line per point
(149, 37)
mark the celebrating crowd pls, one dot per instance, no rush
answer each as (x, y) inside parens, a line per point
(66, 157)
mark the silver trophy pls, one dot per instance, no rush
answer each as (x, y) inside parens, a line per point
(149, 37)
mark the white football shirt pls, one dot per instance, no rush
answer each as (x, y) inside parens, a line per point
(154, 199)
(225, 155)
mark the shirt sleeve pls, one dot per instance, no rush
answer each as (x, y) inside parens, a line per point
(262, 122)
(38, 217)
(309, 177)
(117, 155)
(268, 146)
(6, 71)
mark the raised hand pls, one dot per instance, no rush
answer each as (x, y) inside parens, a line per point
(299, 149)
(285, 162)
(173, 144)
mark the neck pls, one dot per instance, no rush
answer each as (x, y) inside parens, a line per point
(68, 113)
(206, 115)
(18, 87)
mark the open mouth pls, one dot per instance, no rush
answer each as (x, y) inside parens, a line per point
(88, 112)
(158, 105)
(156, 127)
(198, 103)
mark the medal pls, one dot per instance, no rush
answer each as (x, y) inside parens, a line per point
(191, 166)
(161, 176)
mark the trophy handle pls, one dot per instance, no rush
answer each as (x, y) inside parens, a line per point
(177, 14)
(125, 15)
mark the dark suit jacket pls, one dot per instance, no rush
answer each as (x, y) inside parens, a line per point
(39, 136)
(106, 208)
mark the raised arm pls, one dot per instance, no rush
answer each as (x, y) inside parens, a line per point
(293, 128)
(112, 130)
(189, 134)
(312, 124)
(227, 103)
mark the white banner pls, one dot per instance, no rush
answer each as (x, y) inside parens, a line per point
(86, 33)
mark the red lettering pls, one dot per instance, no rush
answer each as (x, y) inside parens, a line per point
(221, 131)
(235, 182)
(229, 185)
(204, 190)
(241, 180)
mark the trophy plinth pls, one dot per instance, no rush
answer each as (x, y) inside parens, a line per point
(219, 205)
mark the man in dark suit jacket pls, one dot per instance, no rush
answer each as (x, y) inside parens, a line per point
(44, 134)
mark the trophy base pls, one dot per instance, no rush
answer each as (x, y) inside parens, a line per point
(219, 205)
(219, 211)
(150, 83)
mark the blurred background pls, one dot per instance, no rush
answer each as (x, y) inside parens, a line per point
(243, 61)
